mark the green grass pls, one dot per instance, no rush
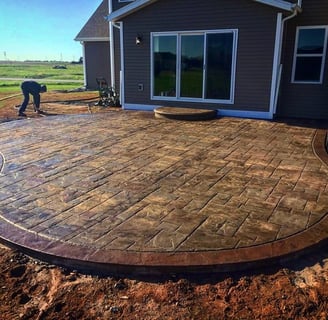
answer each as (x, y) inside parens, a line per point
(10, 86)
(40, 70)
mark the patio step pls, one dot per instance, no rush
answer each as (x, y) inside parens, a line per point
(190, 114)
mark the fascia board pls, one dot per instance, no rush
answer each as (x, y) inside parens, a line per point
(139, 4)
(128, 9)
(285, 5)
(85, 39)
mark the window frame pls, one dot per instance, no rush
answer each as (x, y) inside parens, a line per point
(322, 55)
(178, 35)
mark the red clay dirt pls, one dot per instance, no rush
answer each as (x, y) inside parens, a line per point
(31, 289)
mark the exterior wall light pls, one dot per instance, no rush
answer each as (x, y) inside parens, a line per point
(138, 40)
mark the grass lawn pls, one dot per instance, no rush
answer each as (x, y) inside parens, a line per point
(44, 71)
(11, 87)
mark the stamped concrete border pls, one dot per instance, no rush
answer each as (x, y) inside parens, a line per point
(320, 145)
(123, 262)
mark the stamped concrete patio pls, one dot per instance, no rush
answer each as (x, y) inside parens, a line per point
(125, 192)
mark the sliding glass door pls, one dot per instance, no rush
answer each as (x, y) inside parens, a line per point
(197, 66)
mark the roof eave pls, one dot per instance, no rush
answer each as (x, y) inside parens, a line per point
(280, 4)
(128, 9)
(89, 39)
(139, 4)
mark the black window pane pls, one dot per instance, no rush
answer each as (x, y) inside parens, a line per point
(308, 69)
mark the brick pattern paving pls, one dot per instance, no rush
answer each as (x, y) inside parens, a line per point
(127, 181)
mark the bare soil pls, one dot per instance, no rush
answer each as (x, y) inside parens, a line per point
(31, 289)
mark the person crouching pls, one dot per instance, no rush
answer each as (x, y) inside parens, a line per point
(33, 88)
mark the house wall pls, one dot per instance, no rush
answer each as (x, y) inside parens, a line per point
(256, 24)
(97, 62)
(303, 100)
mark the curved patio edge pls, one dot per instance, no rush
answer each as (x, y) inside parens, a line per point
(126, 262)
(158, 263)
(319, 145)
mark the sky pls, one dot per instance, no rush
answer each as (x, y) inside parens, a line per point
(43, 29)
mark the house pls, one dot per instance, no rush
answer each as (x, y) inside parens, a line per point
(94, 37)
(245, 58)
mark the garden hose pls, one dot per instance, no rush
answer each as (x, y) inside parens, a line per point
(9, 97)
(19, 94)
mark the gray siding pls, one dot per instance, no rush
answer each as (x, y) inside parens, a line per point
(97, 62)
(256, 25)
(303, 100)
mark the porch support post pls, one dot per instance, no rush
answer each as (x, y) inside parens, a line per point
(111, 46)
(276, 68)
(122, 72)
(112, 54)
(84, 64)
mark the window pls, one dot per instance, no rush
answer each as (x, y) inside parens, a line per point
(197, 66)
(309, 56)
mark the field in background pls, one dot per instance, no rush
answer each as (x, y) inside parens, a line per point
(56, 75)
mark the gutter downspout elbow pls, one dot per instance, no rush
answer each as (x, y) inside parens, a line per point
(296, 11)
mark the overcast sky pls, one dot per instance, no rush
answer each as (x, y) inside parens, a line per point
(43, 29)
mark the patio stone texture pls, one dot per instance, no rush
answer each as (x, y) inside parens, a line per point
(127, 191)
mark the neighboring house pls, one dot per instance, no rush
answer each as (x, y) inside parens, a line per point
(247, 58)
(94, 37)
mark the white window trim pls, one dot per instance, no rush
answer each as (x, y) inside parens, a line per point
(323, 55)
(178, 34)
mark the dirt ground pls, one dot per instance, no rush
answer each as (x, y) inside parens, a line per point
(51, 104)
(31, 289)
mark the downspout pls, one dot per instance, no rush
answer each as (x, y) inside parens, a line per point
(297, 9)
